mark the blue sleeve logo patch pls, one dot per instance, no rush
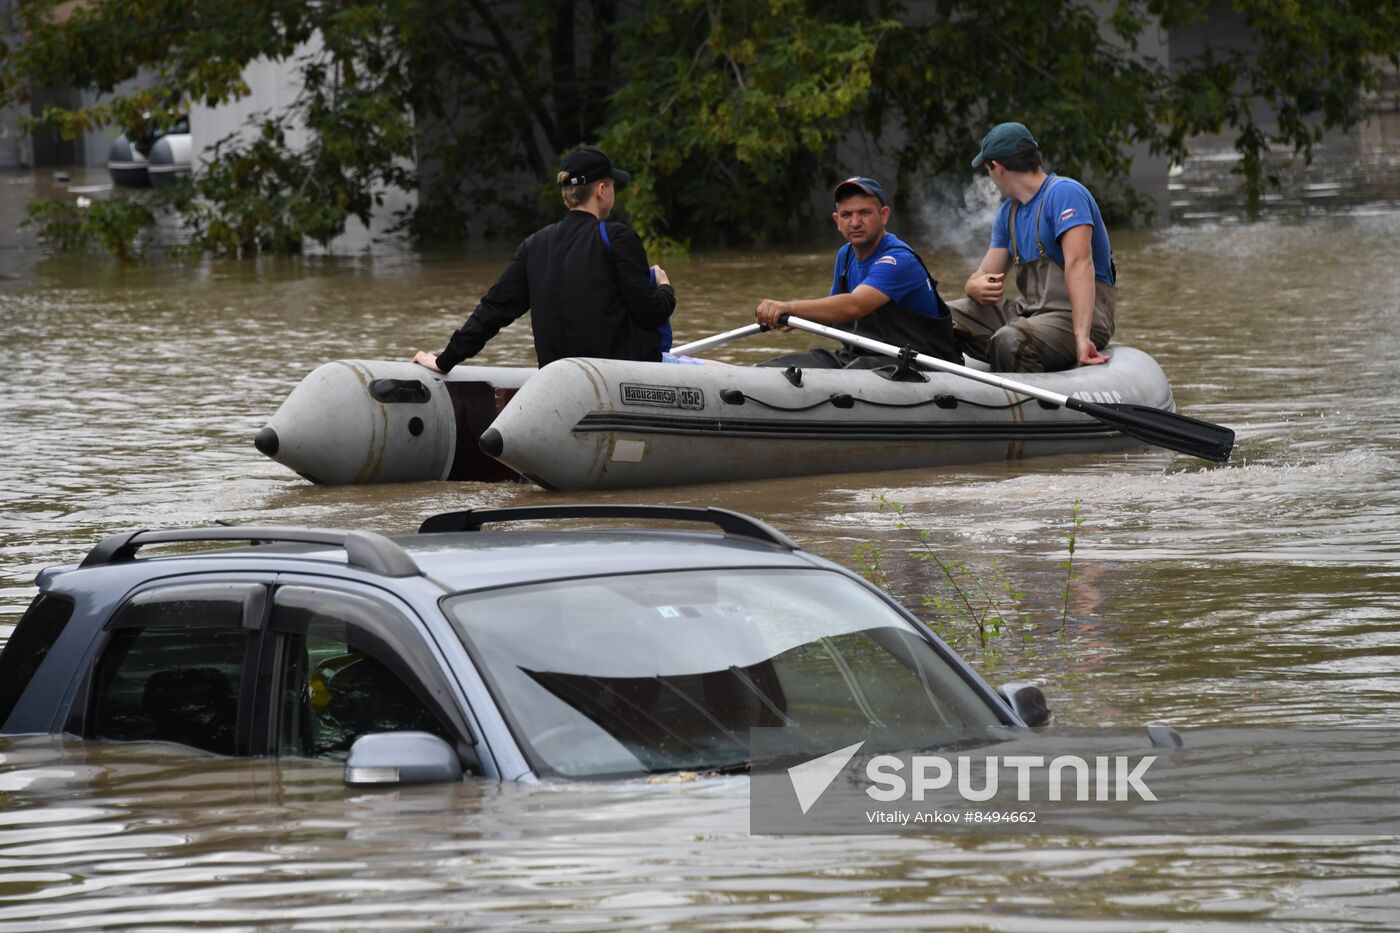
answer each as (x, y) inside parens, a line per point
(887, 260)
(1067, 214)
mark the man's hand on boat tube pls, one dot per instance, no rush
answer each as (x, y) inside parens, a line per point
(423, 358)
(1079, 282)
(1089, 354)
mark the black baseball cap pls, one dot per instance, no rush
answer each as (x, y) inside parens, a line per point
(588, 164)
(862, 185)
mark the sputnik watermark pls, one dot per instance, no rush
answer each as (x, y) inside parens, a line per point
(1108, 778)
(1215, 781)
(810, 779)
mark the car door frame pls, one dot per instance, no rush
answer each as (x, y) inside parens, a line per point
(479, 754)
(78, 718)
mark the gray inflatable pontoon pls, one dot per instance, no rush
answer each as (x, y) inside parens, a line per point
(170, 159)
(608, 424)
(127, 165)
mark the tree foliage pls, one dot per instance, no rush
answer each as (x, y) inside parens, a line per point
(1314, 66)
(729, 112)
(1050, 67)
(734, 113)
(115, 223)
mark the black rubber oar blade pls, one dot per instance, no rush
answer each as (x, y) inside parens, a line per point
(1163, 428)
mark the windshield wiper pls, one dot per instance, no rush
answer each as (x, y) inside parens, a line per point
(740, 675)
(732, 767)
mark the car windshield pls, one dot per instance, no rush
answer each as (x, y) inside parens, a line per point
(668, 671)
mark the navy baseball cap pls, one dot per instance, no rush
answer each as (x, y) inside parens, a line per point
(1004, 141)
(588, 164)
(857, 183)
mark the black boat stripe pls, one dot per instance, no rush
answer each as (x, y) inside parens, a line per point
(596, 422)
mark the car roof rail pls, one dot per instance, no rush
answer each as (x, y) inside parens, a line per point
(731, 523)
(366, 550)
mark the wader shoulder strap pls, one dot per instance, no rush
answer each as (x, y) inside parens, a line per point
(1040, 209)
(932, 282)
(843, 282)
(846, 250)
(920, 260)
(1015, 255)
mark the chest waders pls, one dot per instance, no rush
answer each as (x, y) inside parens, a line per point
(901, 326)
(1035, 332)
(1042, 280)
(889, 323)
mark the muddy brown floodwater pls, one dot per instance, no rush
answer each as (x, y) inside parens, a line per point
(1266, 592)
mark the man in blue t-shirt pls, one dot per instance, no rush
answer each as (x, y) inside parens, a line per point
(880, 289)
(1050, 229)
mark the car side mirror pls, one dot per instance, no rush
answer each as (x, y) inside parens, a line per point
(1164, 736)
(1027, 701)
(401, 758)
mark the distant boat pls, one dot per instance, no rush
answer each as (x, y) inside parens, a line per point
(155, 158)
(127, 165)
(169, 159)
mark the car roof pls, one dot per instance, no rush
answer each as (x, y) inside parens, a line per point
(451, 551)
(472, 561)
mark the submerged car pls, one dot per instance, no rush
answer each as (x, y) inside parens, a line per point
(552, 651)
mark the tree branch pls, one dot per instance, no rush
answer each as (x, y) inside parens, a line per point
(516, 68)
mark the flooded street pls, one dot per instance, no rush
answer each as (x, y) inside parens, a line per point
(1263, 592)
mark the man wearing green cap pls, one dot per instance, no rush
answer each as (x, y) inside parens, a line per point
(1050, 229)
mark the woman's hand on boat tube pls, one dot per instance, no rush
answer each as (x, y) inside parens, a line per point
(769, 310)
(423, 358)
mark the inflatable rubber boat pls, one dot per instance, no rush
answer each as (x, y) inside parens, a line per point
(607, 424)
(127, 164)
(155, 158)
(169, 159)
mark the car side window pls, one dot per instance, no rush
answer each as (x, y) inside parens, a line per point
(173, 668)
(28, 645)
(339, 677)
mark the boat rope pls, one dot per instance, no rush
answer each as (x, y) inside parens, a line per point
(842, 400)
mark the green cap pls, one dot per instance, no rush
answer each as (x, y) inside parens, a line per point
(1004, 141)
